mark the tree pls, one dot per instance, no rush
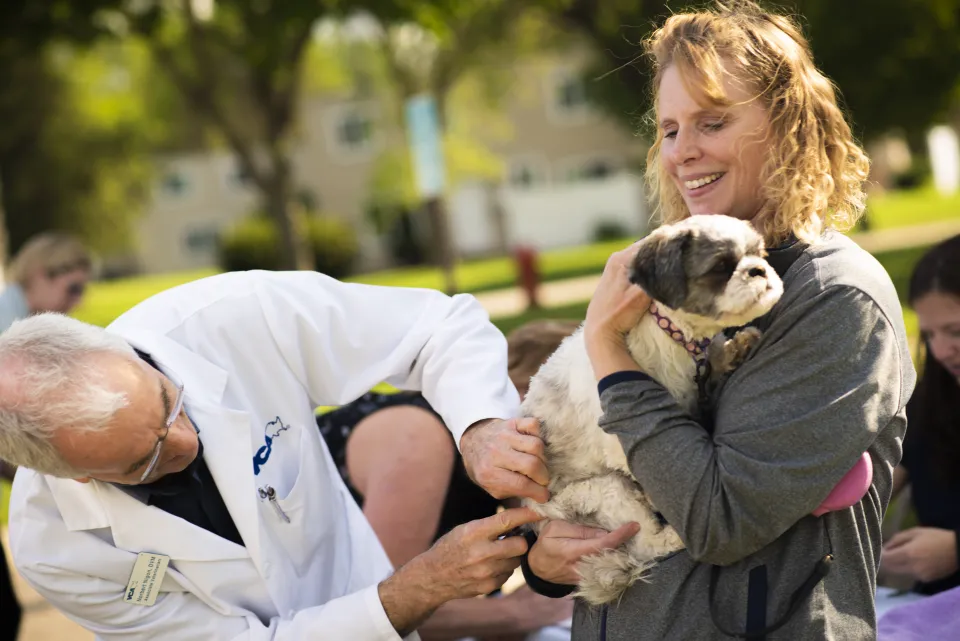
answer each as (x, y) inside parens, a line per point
(430, 54)
(70, 141)
(238, 63)
(896, 69)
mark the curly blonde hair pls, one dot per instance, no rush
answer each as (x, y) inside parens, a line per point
(815, 171)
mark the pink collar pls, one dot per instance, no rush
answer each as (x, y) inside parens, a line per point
(696, 349)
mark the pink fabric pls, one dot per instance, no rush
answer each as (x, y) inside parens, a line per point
(850, 489)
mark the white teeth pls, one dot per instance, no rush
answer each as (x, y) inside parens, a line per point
(700, 182)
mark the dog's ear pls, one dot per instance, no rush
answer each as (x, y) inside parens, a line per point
(658, 267)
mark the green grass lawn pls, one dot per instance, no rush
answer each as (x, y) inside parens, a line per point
(4, 501)
(107, 300)
(914, 207)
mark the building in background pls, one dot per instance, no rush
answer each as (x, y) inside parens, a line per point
(568, 170)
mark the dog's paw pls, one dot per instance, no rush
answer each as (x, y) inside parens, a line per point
(727, 355)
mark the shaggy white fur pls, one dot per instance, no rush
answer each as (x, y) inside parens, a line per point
(591, 481)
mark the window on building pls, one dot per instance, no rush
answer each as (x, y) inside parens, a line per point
(587, 170)
(567, 97)
(238, 177)
(355, 130)
(202, 240)
(527, 171)
(173, 184)
(351, 131)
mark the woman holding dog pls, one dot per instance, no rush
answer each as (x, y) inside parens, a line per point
(749, 128)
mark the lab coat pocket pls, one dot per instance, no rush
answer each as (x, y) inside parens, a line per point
(307, 524)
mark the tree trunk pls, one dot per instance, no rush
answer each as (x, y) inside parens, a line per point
(438, 215)
(443, 243)
(498, 218)
(294, 250)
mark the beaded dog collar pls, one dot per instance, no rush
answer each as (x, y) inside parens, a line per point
(696, 349)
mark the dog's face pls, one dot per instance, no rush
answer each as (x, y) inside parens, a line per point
(708, 266)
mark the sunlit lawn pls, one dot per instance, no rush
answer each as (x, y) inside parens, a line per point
(916, 207)
(108, 300)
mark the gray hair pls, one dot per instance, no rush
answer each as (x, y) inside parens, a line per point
(48, 381)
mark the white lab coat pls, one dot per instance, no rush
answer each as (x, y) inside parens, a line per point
(252, 348)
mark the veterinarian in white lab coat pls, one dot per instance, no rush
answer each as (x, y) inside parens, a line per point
(199, 452)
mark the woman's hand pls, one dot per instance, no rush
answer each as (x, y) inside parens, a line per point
(560, 546)
(923, 553)
(616, 308)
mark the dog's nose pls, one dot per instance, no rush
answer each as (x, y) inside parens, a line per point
(757, 272)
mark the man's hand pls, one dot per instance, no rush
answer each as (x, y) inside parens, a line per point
(506, 458)
(468, 561)
(923, 553)
(557, 552)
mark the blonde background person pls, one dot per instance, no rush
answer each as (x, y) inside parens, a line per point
(49, 274)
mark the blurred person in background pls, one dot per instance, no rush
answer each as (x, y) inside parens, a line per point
(399, 462)
(48, 274)
(928, 553)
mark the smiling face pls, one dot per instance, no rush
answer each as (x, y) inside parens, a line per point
(713, 154)
(121, 451)
(938, 314)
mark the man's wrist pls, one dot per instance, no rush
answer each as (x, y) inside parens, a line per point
(470, 429)
(407, 602)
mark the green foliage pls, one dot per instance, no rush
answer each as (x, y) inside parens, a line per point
(609, 230)
(254, 244)
(334, 245)
(896, 62)
(73, 148)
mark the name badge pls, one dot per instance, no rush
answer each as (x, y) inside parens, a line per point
(144, 584)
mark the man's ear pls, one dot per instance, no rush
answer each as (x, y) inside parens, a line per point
(658, 267)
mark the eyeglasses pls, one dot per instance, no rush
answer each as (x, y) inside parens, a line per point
(76, 289)
(177, 407)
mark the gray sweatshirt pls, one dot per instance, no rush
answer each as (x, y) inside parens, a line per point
(828, 381)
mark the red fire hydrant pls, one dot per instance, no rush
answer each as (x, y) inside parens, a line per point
(528, 273)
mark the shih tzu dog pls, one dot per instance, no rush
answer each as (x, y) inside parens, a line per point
(704, 274)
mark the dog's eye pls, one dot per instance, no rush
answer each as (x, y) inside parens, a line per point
(723, 268)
